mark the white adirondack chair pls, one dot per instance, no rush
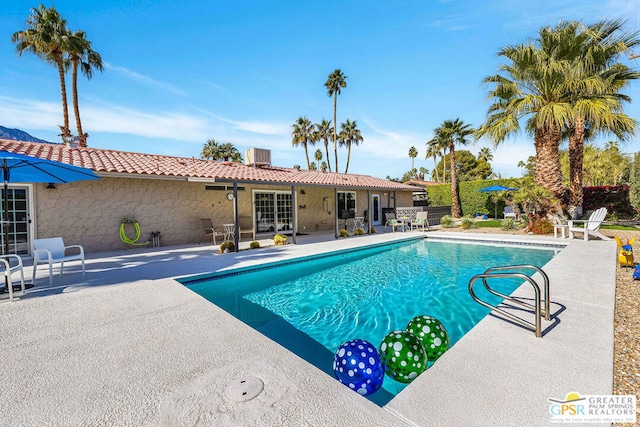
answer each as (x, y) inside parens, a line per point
(591, 225)
(52, 250)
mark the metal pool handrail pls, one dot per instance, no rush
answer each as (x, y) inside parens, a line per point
(492, 273)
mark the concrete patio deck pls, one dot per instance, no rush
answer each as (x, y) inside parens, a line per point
(128, 345)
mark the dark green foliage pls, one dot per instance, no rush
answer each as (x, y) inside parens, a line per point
(614, 197)
(468, 168)
(634, 182)
(472, 201)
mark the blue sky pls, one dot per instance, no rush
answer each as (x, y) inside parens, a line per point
(178, 73)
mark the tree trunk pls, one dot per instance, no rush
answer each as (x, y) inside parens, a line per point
(335, 128)
(456, 211)
(435, 168)
(66, 133)
(576, 158)
(547, 173)
(326, 149)
(444, 166)
(306, 154)
(346, 170)
(82, 140)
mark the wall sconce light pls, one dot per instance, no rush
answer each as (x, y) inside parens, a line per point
(302, 207)
(51, 186)
(302, 192)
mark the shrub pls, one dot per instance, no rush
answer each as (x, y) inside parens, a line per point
(372, 231)
(227, 246)
(279, 240)
(508, 224)
(541, 226)
(446, 221)
(254, 245)
(343, 233)
(614, 197)
(467, 222)
(358, 232)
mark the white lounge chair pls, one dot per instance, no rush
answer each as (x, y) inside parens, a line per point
(6, 270)
(53, 250)
(421, 221)
(509, 213)
(591, 225)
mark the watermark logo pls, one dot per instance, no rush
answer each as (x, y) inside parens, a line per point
(575, 408)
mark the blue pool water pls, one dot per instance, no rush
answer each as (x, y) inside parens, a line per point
(313, 306)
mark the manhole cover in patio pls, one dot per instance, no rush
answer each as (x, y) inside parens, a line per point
(244, 389)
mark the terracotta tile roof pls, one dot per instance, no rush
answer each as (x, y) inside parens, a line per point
(105, 162)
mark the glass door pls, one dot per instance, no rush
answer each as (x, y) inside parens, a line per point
(273, 212)
(375, 207)
(17, 229)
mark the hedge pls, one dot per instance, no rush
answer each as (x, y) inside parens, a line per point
(472, 201)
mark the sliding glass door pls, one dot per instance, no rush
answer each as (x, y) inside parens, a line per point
(273, 212)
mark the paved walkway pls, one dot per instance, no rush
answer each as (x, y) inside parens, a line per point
(128, 345)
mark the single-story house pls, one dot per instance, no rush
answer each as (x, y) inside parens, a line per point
(170, 195)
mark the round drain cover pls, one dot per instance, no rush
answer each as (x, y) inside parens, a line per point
(244, 389)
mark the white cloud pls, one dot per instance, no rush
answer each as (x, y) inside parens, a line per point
(264, 128)
(144, 79)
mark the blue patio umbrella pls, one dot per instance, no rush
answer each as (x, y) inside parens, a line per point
(496, 188)
(21, 168)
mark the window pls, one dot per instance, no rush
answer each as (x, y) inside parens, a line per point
(346, 204)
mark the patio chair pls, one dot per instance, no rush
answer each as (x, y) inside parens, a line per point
(245, 227)
(591, 226)
(392, 222)
(209, 232)
(421, 221)
(7, 270)
(509, 213)
(53, 250)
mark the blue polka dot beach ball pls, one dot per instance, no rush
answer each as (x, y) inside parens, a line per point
(357, 365)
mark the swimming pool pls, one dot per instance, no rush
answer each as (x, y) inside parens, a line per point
(311, 306)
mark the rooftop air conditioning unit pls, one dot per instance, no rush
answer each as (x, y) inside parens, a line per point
(257, 157)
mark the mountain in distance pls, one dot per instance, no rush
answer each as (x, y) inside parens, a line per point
(19, 135)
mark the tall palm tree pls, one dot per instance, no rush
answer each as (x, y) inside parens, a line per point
(81, 55)
(485, 154)
(349, 135)
(592, 55)
(334, 84)
(413, 153)
(47, 37)
(302, 135)
(454, 132)
(439, 145)
(323, 132)
(432, 151)
(318, 155)
(532, 88)
(211, 150)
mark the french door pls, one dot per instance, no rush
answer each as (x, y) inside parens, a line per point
(273, 212)
(18, 229)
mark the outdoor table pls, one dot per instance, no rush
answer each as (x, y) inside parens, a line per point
(358, 222)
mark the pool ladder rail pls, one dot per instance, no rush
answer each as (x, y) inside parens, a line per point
(508, 272)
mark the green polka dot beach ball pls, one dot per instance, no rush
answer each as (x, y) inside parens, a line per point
(403, 356)
(432, 333)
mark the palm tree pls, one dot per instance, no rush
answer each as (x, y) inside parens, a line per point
(47, 37)
(454, 132)
(531, 88)
(439, 146)
(413, 153)
(211, 150)
(597, 78)
(335, 82)
(423, 172)
(323, 132)
(485, 154)
(81, 54)
(349, 135)
(432, 151)
(318, 155)
(228, 152)
(302, 135)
